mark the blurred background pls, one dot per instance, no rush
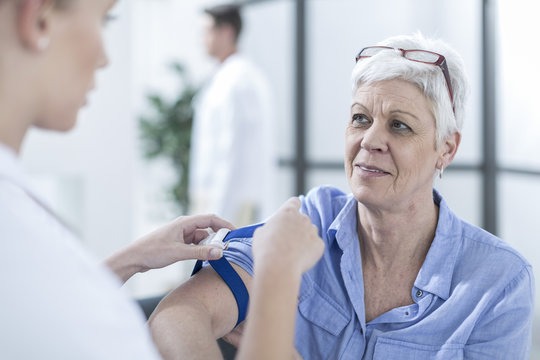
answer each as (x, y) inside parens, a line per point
(102, 183)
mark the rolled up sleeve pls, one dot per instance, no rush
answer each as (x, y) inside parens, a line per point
(239, 252)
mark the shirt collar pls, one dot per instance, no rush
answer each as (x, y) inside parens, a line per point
(10, 167)
(435, 276)
(12, 171)
(343, 228)
(232, 57)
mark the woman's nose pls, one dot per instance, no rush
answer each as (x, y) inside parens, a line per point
(375, 138)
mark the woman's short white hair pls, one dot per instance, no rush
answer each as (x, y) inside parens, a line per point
(388, 65)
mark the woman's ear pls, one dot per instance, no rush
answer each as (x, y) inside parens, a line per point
(33, 23)
(449, 148)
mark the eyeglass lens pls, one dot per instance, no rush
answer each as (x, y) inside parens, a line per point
(423, 56)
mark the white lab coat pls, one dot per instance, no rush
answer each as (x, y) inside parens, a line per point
(233, 160)
(56, 301)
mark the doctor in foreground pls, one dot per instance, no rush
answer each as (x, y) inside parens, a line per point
(57, 301)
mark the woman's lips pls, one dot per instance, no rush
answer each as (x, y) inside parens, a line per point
(371, 171)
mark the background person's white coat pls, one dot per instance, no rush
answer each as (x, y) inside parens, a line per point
(231, 161)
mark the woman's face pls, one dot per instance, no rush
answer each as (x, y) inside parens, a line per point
(390, 153)
(74, 54)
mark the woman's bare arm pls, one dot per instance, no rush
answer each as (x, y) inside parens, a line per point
(187, 322)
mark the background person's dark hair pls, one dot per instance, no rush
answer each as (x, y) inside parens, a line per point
(226, 14)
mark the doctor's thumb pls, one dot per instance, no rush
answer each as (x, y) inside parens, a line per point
(207, 252)
(198, 252)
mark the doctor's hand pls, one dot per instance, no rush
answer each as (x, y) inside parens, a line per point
(283, 249)
(173, 242)
(288, 240)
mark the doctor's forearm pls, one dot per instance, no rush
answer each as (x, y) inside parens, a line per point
(124, 264)
(269, 332)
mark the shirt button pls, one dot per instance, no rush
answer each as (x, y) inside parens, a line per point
(419, 293)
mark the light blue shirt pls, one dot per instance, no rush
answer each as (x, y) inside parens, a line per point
(473, 296)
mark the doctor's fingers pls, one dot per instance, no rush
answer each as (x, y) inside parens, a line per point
(190, 225)
(292, 204)
(197, 252)
(197, 236)
(313, 251)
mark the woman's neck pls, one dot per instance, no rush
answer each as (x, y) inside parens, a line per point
(397, 239)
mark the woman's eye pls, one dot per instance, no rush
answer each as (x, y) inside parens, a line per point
(398, 125)
(359, 120)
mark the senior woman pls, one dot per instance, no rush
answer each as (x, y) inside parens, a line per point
(402, 276)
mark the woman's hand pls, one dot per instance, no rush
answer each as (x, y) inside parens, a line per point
(167, 245)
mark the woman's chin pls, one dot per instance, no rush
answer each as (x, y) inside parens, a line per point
(367, 195)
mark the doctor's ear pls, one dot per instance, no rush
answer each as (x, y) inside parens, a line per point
(33, 23)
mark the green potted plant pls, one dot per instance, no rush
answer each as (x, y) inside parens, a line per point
(167, 133)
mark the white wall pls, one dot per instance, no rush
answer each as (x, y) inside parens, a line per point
(518, 134)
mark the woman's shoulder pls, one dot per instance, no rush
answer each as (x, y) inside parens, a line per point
(488, 262)
(479, 257)
(477, 244)
(324, 204)
(323, 196)
(482, 247)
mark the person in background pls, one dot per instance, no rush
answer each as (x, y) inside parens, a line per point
(402, 276)
(231, 160)
(59, 302)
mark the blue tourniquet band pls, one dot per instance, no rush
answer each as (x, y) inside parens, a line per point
(229, 275)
